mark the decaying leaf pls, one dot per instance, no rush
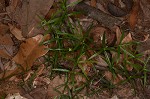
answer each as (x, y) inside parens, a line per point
(3, 29)
(114, 80)
(29, 51)
(117, 59)
(145, 6)
(37, 93)
(100, 61)
(97, 34)
(15, 96)
(1, 65)
(54, 83)
(10, 65)
(6, 40)
(125, 91)
(4, 54)
(72, 1)
(27, 15)
(118, 35)
(129, 67)
(143, 46)
(50, 13)
(84, 65)
(127, 39)
(41, 81)
(16, 32)
(134, 14)
(93, 3)
(14, 4)
(114, 97)
(5, 37)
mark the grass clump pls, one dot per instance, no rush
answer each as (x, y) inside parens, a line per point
(72, 54)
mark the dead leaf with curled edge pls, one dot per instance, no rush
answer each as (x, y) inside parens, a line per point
(28, 52)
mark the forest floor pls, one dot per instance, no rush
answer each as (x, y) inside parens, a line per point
(74, 49)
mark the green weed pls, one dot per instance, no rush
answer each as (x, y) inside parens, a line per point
(69, 53)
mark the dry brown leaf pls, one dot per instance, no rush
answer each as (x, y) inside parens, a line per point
(14, 3)
(9, 49)
(50, 13)
(1, 65)
(115, 80)
(127, 39)
(115, 57)
(27, 14)
(38, 81)
(72, 1)
(140, 36)
(84, 65)
(4, 54)
(16, 32)
(15, 96)
(129, 67)
(146, 37)
(3, 29)
(118, 35)
(120, 60)
(100, 61)
(145, 6)
(144, 46)
(9, 73)
(97, 34)
(5, 38)
(108, 75)
(2, 5)
(125, 91)
(37, 93)
(93, 3)
(10, 65)
(54, 83)
(134, 14)
(29, 51)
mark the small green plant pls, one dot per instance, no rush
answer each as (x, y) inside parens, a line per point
(69, 52)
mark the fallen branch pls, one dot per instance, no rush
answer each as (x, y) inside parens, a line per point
(108, 20)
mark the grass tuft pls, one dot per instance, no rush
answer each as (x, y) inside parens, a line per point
(70, 55)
